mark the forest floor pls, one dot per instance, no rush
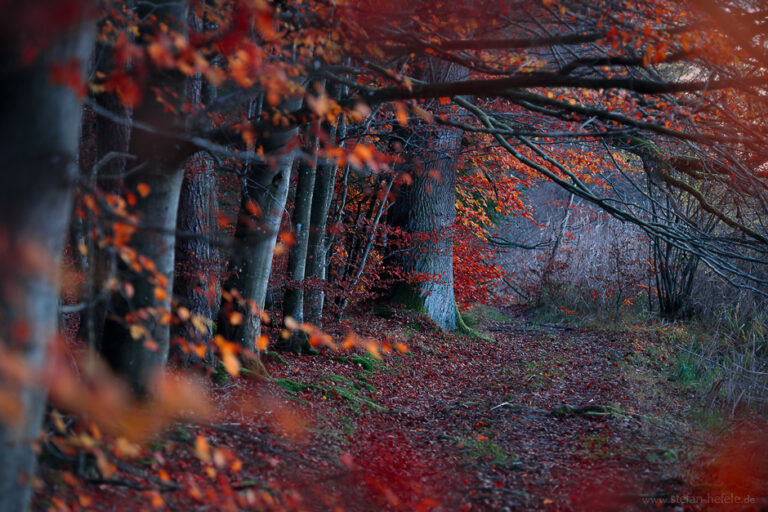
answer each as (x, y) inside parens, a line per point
(539, 418)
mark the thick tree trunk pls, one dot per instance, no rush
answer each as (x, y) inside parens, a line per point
(427, 210)
(293, 299)
(431, 214)
(138, 356)
(250, 263)
(197, 267)
(316, 268)
(38, 154)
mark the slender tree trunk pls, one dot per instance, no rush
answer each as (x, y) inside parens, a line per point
(103, 161)
(321, 204)
(139, 358)
(369, 239)
(250, 263)
(38, 153)
(293, 299)
(112, 141)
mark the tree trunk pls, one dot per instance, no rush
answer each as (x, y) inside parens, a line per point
(250, 263)
(138, 356)
(38, 154)
(431, 214)
(321, 204)
(293, 299)
(427, 210)
(197, 267)
(104, 176)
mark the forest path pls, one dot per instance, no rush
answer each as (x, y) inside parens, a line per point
(539, 418)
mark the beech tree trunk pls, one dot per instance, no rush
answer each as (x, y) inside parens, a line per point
(197, 267)
(293, 299)
(322, 196)
(431, 213)
(139, 357)
(427, 209)
(105, 174)
(250, 263)
(38, 154)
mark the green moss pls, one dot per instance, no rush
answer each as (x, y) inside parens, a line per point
(479, 313)
(292, 386)
(363, 382)
(183, 435)
(414, 326)
(220, 375)
(468, 331)
(365, 360)
(274, 357)
(354, 400)
(406, 295)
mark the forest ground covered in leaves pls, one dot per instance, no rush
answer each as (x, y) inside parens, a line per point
(538, 416)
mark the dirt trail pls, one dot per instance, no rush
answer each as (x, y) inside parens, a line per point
(537, 419)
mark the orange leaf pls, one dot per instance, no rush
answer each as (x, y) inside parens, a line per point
(402, 113)
(235, 318)
(160, 293)
(202, 449)
(143, 189)
(231, 363)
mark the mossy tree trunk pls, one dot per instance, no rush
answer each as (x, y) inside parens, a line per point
(429, 204)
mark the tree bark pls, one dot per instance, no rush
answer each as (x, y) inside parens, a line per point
(427, 210)
(250, 263)
(105, 176)
(197, 267)
(318, 224)
(293, 299)
(38, 154)
(138, 358)
(430, 218)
